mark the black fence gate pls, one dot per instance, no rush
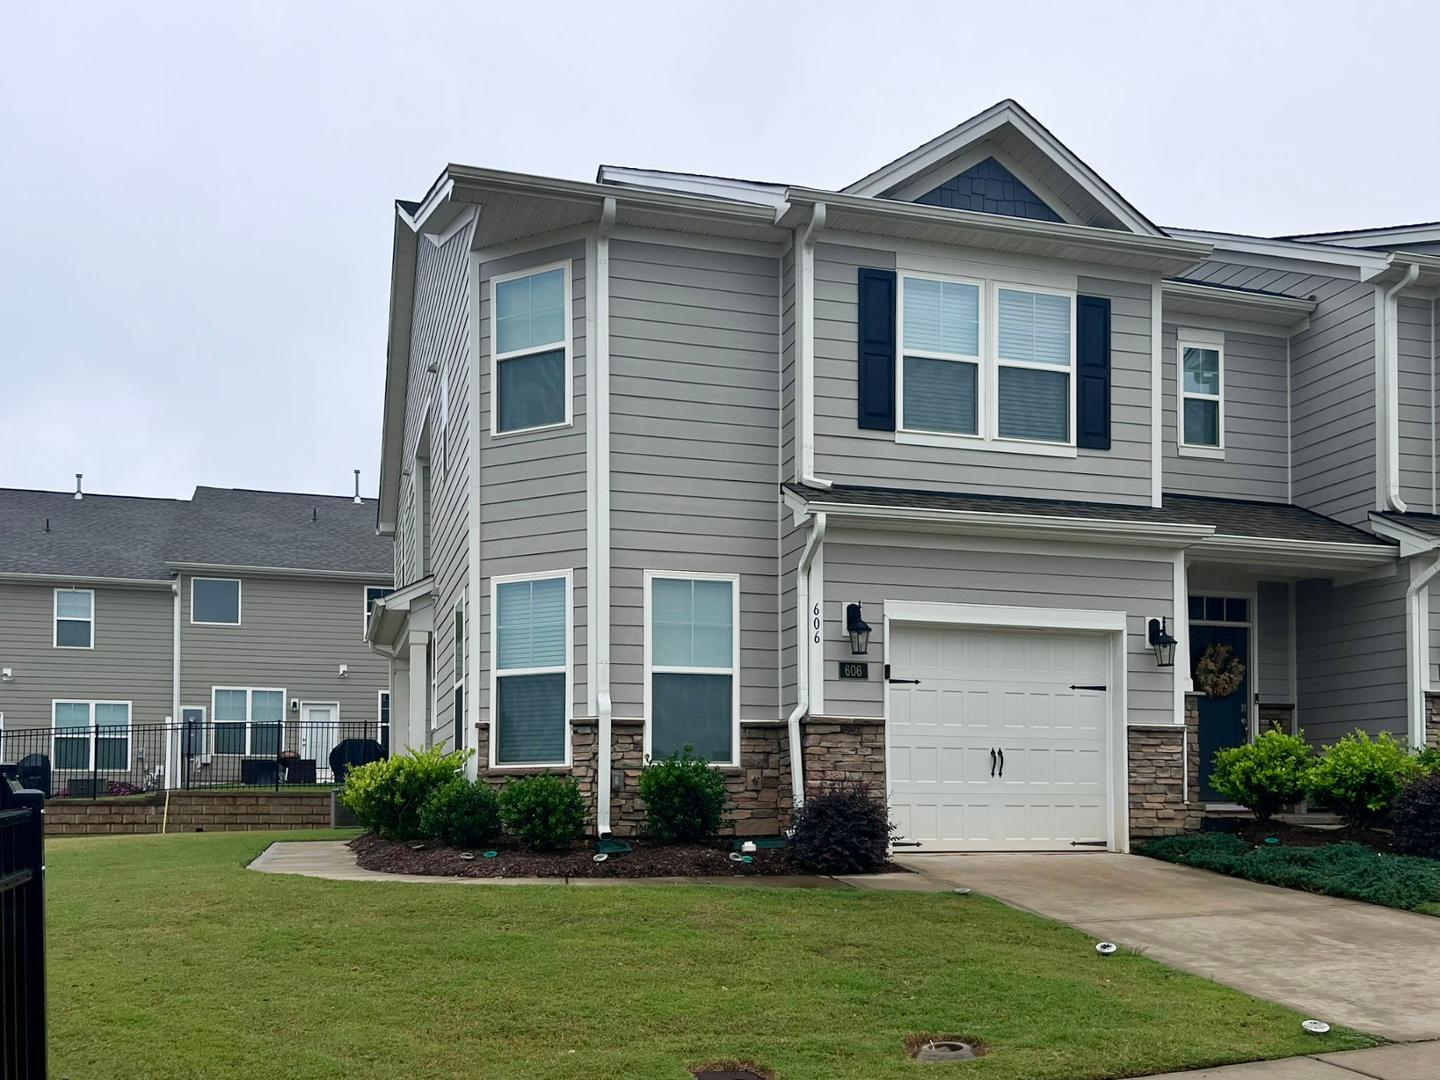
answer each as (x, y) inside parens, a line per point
(22, 931)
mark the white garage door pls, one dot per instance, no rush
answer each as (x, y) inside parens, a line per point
(1001, 745)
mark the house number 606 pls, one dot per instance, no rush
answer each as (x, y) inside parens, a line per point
(815, 623)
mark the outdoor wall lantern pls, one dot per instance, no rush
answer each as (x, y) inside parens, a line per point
(1163, 643)
(295, 705)
(859, 630)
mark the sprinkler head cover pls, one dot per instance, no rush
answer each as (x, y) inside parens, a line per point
(747, 858)
(467, 855)
(1315, 1027)
(961, 890)
(1272, 839)
(491, 854)
(735, 856)
(1107, 948)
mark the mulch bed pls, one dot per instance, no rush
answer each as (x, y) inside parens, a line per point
(647, 860)
(1313, 836)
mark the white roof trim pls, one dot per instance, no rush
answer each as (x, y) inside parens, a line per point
(62, 580)
(1283, 249)
(720, 187)
(931, 154)
(1390, 236)
(1307, 554)
(1412, 541)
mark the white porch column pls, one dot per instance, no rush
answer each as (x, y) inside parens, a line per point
(418, 730)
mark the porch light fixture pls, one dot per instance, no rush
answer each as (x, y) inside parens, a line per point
(858, 629)
(1163, 643)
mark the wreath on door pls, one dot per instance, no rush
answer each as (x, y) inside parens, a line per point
(1219, 672)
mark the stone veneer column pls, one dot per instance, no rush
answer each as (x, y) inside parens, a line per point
(843, 752)
(1432, 718)
(1159, 759)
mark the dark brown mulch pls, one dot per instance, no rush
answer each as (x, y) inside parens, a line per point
(647, 860)
(1314, 836)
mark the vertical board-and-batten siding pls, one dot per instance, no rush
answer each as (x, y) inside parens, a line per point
(533, 484)
(918, 568)
(1253, 381)
(1350, 651)
(846, 453)
(439, 339)
(695, 416)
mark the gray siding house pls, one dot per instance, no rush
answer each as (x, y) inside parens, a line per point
(243, 612)
(944, 483)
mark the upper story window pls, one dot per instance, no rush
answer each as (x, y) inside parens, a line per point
(215, 601)
(1202, 405)
(372, 594)
(74, 619)
(692, 685)
(530, 695)
(986, 360)
(530, 373)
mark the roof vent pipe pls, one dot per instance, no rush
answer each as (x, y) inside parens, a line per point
(78, 493)
(357, 487)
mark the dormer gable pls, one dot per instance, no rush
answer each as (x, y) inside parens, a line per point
(1003, 161)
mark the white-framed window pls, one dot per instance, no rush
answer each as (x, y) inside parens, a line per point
(530, 368)
(1201, 374)
(985, 361)
(372, 594)
(90, 734)
(530, 681)
(383, 712)
(74, 619)
(458, 695)
(692, 672)
(215, 601)
(247, 720)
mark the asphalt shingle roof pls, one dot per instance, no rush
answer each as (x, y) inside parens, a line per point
(1230, 517)
(126, 537)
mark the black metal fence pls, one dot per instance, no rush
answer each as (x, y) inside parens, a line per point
(100, 762)
(22, 931)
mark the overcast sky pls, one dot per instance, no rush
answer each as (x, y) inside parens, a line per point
(195, 248)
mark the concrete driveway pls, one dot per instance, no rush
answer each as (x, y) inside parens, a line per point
(1370, 968)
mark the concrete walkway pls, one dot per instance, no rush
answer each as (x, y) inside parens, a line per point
(1366, 967)
(1408, 1061)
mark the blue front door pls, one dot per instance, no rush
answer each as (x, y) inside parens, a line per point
(1224, 722)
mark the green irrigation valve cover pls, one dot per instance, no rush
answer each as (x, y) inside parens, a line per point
(612, 847)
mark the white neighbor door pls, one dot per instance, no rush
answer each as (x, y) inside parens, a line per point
(997, 748)
(319, 734)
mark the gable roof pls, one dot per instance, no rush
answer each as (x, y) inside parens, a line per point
(1008, 133)
(109, 536)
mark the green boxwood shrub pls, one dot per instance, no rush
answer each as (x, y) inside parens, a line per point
(1358, 778)
(545, 812)
(684, 798)
(461, 814)
(1417, 817)
(1264, 776)
(387, 796)
(844, 831)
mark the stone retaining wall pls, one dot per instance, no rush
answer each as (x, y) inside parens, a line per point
(190, 811)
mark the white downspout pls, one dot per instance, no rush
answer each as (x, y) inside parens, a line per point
(1389, 359)
(802, 658)
(599, 588)
(1417, 645)
(173, 751)
(805, 347)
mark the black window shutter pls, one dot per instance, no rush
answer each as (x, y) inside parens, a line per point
(876, 343)
(1092, 387)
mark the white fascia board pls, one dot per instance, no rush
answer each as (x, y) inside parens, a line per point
(1283, 249)
(1186, 297)
(87, 580)
(369, 576)
(1411, 541)
(1391, 236)
(1026, 618)
(397, 370)
(1398, 265)
(1278, 551)
(720, 187)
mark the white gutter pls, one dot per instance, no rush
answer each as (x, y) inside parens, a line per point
(802, 659)
(1417, 644)
(599, 585)
(805, 347)
(1387, 354)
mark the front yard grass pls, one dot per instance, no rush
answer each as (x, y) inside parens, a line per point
(169, 959)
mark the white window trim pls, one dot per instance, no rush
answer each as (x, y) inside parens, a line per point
(365, 606)
(568, 668)
(380, 720)
(567, 341)
(55, 621)
(250, 692)
(91, 734)
(239, 602)
(989, 363)
(650, 668)
(1214, 342)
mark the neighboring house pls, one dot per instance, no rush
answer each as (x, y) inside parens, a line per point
(653, 444)
(237, 610)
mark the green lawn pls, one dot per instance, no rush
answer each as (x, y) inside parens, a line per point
(169, 959)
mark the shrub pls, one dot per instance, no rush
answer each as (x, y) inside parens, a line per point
(1266, 775)
(1358, 778)
(1417, 817)
(461, 814)
(387, 796)
(684, 798)
(845, 831)
(1428, 759)
(545, 812)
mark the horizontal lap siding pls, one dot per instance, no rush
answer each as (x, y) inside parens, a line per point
(1351, 657)
(695, 425)
(873, 573)
(1273, 634)
(1257, 445)
(844, 451)
(533, 487)
(1416, 329)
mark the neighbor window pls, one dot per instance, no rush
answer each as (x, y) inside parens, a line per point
(531, 697)
(1202, 417)
(942, 356)
(74, 619)
(530, 374)
(91, 734)
(692, 638)
(247, 721)
(372, 594)
(215, 601)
